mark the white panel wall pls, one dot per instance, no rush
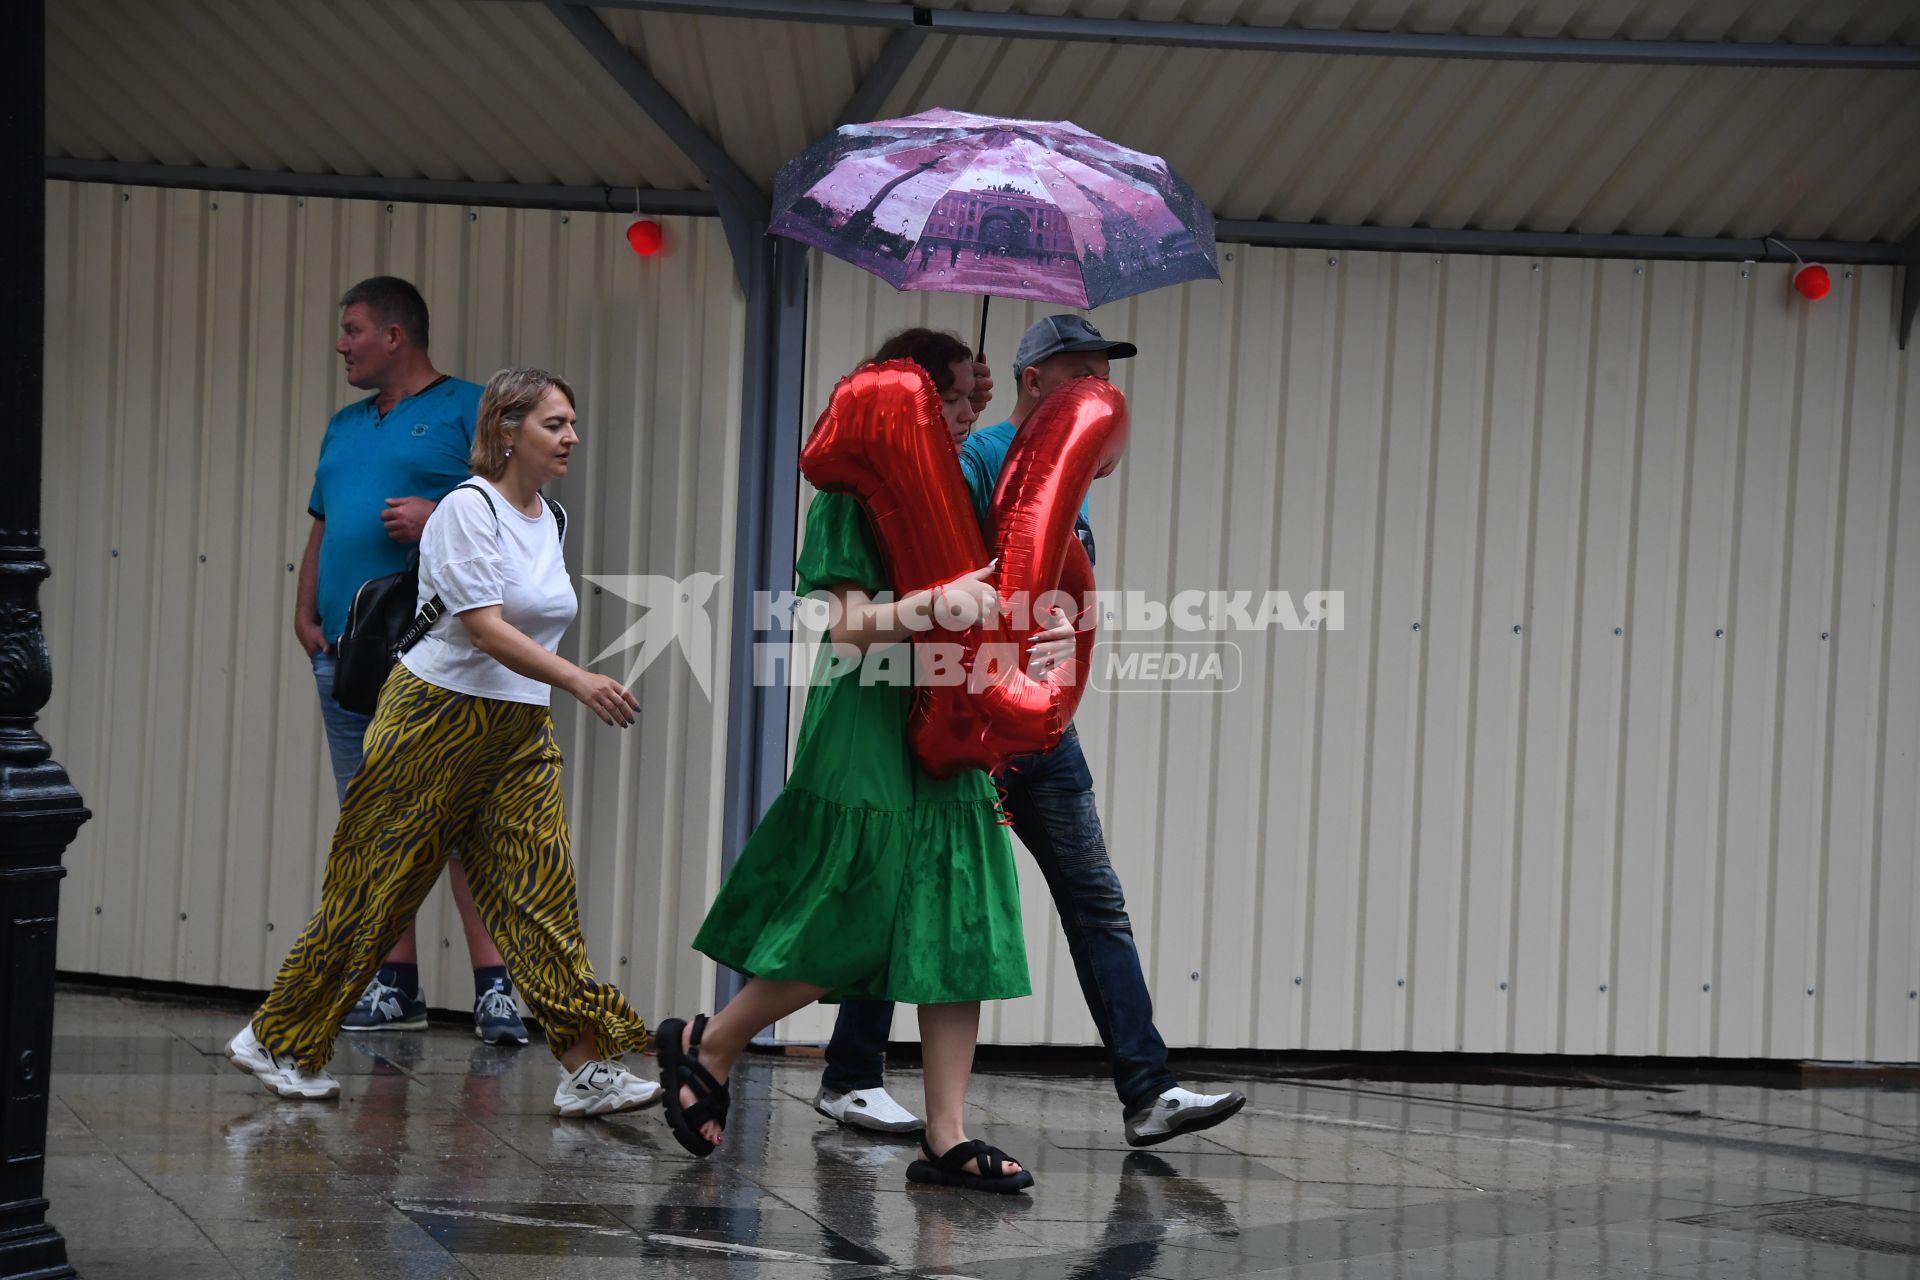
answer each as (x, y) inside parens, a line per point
(190, 376)
(1642, 781)
(1705, 825)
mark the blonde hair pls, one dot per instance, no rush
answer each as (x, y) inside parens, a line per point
(510, 396)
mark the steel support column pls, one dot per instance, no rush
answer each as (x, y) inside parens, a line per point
(1910, 289)
(39, 809)
(767, 516)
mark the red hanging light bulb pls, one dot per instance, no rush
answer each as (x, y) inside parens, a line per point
(1812, 280)
(645, 237)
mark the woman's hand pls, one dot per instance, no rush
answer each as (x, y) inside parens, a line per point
(1052, 646)
(606, 697)
(968, 600)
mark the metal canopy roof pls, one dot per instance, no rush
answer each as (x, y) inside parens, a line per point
(405, 89)
(1519, 128)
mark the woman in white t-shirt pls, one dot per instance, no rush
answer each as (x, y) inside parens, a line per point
(461, 751)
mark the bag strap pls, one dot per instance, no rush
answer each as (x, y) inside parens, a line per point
(559, 512)
(435, 609)
(468, 484)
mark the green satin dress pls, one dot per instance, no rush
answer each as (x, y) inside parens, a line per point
(867, 876)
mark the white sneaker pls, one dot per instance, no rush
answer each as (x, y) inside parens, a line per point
(601, 1088)
(278, 1073)
(1179, 1111)
(867, 1109)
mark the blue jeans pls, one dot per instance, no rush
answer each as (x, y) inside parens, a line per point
(346, 730)
(1050, 800)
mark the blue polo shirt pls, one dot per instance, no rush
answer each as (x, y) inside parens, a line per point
(417, 449)
(981, 457)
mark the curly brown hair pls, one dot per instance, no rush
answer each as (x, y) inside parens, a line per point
(933, 350)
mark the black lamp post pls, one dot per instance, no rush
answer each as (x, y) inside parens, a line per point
(39, 809)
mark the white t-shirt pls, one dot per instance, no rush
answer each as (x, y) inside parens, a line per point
(472, 556)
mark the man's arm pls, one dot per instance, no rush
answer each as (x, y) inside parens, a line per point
(306, 598)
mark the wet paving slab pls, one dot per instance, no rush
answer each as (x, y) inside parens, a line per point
(443, 1159)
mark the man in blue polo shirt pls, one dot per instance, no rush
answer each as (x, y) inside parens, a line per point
(384, 465)
(1049, 797)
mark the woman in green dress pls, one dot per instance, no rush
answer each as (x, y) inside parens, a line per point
(868, 878)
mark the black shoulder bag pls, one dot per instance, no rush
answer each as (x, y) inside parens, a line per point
(382, 624)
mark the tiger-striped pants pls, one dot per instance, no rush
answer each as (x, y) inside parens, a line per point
(445, 769)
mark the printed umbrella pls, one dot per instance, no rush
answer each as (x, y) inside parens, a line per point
(952, 202)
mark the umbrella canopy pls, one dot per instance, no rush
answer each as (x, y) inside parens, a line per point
(952, 202)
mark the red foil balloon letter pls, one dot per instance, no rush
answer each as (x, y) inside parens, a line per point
(882, 439)
(1076, 434)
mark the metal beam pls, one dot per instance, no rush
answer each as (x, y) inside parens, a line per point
(722, 170)
(1392, 44)
(742, 204)
(848, 13)
(507, 195)
(1707, 53)
(1552, 244)
(893, 62)
(1297, 235)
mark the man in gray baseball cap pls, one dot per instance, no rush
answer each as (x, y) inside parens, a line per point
(1049, 797)
(1059, 335)
(1052, 353)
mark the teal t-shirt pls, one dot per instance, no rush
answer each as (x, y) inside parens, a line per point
(981, 458)
(417, 450)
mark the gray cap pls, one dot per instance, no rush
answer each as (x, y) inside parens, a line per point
(1056, 334)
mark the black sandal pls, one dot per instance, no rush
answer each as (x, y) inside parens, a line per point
(947, 1170)
(681, 1069)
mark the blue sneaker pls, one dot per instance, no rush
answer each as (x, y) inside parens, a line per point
(495, 1019)
(385, 1008)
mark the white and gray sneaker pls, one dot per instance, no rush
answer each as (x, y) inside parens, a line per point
(871, 1109)
(601, 1088)
(277, 1072)
(1179, 1111)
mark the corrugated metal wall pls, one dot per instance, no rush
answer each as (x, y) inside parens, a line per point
(1673, 813)
(190, 376)
(1643, 779)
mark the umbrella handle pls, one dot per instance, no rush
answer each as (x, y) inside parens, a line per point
(980, 348)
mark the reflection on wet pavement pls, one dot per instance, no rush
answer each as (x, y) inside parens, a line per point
(444, 1160)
